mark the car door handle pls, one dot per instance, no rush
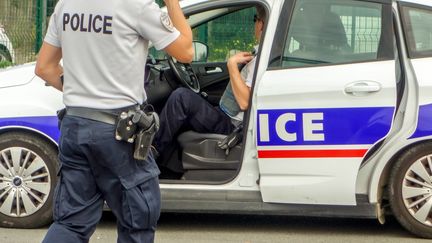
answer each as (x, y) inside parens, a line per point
(361, 87)
(213, 70)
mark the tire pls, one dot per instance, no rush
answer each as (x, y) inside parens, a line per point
(4, 54)
(28, 166)
(410, 190)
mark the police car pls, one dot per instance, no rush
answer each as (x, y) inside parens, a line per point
(340, 121)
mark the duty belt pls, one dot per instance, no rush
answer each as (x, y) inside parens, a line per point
(133, 124)
(105, 116)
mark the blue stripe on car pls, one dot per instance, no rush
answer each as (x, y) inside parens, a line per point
(44, 124)
(341, 126)
(424, 124)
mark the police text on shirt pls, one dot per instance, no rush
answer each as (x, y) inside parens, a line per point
(88, 23)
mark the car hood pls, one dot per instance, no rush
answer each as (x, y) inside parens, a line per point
(17, 75)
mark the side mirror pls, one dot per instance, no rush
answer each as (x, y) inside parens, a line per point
(201, 51)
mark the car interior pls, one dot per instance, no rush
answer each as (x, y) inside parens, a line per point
(204, 158)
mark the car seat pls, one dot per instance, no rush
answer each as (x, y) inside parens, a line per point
(203, 159)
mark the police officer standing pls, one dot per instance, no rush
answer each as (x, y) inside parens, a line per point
(104, 45)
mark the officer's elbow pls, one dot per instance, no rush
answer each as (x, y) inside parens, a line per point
(243, 105)
(181, 49)
(186, 56)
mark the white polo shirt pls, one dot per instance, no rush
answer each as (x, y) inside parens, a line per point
(105, 45)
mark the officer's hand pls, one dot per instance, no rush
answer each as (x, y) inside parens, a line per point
(240, 58)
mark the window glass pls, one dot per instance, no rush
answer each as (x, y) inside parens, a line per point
(418, 25)
(224, 35)
(227, 34)
(333, 31)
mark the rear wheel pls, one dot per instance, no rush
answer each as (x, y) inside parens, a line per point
(410, 190)
(28, 167)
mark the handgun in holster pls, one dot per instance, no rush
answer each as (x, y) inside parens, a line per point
(138, 127)
(143, 142)
(148, 125)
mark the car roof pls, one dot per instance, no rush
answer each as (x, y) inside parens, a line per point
(186, 3)
(422, 2)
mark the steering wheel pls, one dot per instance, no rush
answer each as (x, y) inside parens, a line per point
(184, 74)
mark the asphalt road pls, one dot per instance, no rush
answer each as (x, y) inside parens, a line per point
(201, 228)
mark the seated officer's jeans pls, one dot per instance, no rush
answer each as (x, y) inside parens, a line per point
(95, 167)
(188, 110)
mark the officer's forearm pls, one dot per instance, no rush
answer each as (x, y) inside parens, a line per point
(52, 76)
(240, 89)
(178, 19)
(48, 65)
(57, 80)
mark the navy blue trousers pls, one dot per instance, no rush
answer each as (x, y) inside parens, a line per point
(186, 110)
(94, 167)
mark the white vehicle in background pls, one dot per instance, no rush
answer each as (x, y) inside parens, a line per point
(340, 121)
(6, 49)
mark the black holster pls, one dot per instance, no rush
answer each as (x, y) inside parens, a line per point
(60, 115)
(138, 127)
(143, 142)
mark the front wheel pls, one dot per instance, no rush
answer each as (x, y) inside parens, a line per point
(410, 190)
(28, 167)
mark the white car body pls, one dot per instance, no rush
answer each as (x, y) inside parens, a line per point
(348, 126)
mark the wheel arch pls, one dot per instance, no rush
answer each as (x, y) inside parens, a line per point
(384, 174)
(31, 132)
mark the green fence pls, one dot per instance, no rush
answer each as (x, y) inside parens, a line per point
(24, 23)
(18, 18)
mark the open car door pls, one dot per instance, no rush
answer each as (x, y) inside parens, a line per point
(328, 97)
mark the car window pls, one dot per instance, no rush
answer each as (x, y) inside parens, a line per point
(334, 31)
(418, 29)
(227, 34)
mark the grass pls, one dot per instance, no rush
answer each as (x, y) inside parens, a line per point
(4, 64)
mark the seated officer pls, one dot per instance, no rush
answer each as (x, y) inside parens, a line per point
(184, 108)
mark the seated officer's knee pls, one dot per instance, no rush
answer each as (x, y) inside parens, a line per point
(181, 95)
(181, 92)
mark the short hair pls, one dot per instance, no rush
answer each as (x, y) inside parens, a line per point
(261, 12)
